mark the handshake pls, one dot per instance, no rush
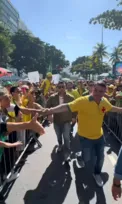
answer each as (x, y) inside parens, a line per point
(46, 111)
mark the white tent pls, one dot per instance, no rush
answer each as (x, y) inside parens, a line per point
(104, 75)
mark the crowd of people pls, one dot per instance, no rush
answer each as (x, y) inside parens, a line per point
(31, 106)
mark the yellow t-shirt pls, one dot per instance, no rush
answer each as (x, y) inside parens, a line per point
(74, 93)
(12, 118)
(47, 87)
(25, 118)
(90, 116)
(24, 100)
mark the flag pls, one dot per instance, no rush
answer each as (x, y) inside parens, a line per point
(50, 67)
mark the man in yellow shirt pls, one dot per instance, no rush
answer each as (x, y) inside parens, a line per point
(80, 87)
(71, 91)
(91, 110)
(46, 85)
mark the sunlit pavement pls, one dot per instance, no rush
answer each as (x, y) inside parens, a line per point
(45, 180)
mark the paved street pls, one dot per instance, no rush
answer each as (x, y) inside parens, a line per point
(45, 180)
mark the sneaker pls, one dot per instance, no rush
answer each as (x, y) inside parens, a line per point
(98, 180)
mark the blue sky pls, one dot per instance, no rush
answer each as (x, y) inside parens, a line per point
(65, 24)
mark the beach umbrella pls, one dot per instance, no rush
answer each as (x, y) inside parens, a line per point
(5, 72)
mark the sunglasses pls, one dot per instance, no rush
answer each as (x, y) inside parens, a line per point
(61, 87)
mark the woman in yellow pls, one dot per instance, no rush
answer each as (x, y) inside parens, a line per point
(110, 93)
(24, 98)
(15, 92)
(33, 105)
(20, 100)
(32, 100)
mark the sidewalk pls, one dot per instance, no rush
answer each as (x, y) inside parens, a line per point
(44, 180)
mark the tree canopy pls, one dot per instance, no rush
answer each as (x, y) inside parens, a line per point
(94, 64)
(79, 60)
(32, 54)
(100, 50)
(6, 46)
(27, 53)
(116, 55)
(111, 19)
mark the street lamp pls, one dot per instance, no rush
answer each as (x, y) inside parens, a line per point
(102, 35)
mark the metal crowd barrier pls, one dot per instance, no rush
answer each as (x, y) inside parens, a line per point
(113, 122)
(11, 157)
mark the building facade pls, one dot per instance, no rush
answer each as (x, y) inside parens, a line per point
(9, 16)
(22, 26)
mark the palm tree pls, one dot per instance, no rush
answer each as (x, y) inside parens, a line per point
(120, 46)
(100, 50)
(116, 55)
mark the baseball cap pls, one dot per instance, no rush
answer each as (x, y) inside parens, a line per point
(49, 74)
(8, 83)
(111, 86)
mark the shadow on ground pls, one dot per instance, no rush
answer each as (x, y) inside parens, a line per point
(111, 142)
(56, 181)
(54, 184)
(86, 187)
(8, 187)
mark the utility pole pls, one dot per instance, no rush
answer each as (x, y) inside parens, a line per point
(102, 36)
(102, 42)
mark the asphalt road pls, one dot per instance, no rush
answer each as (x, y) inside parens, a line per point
(44, 179)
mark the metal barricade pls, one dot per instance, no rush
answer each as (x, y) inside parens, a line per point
(11, 157)
(113, 122)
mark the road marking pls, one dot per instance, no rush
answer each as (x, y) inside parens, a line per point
(112, 159)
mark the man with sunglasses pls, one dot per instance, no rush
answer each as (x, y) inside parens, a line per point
(89, 89)
(91, 110)
(62, 121)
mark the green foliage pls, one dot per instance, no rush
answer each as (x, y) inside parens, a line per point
(6, 46)
(55, 57)
(120, 2)
(110, 19)
(116, 55)
(93, 64)
(32, 54)
(79, 60)
(100, 51)
(29, 53)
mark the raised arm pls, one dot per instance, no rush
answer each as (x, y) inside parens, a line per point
(116, 109)
(31, 125)
(58, 109)
(28, 111)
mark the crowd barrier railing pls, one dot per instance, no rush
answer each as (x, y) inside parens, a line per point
(11, 157)
(113, 122)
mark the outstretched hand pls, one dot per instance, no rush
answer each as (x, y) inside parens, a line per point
(46, 111)
(36, 126)
(18, 143)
